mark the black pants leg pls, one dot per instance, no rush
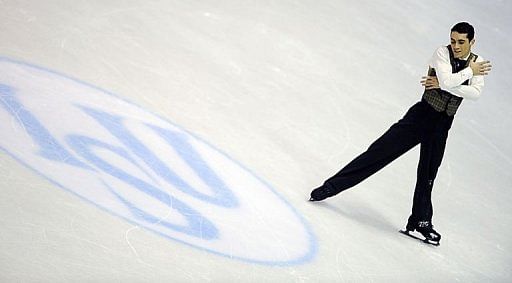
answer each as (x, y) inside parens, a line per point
(401, 137)
(431, 154)
(422, 124)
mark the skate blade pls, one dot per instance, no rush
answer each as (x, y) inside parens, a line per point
(419, 238)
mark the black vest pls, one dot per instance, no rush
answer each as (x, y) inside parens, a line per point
(441, 100)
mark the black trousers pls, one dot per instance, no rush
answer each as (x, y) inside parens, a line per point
(420, 125)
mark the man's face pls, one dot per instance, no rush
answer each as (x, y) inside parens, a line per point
(460, 43)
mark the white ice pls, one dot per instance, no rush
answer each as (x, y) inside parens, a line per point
(293, 90)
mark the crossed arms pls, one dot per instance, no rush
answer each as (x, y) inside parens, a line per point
(452, 82)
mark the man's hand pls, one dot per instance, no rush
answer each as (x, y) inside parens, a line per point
(430, 82)
(480, 68)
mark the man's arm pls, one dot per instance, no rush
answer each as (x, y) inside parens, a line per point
(441, 63)
(452, 82)
(471, 91)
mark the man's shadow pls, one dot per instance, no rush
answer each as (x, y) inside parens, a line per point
(361, 213)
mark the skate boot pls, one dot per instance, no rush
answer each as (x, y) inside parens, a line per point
(322, 193)
(423, 231)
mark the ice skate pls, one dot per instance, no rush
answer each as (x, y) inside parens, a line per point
(322, 193)
(423, 231)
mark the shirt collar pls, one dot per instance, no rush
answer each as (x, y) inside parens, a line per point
(466, 58)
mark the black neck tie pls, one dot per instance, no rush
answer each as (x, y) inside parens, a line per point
(459, 64)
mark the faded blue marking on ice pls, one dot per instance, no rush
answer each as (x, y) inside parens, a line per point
(56, 152)
(49, 147)
(114, 124)
(198, 226)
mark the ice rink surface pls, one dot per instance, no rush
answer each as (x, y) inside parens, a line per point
(178, 141)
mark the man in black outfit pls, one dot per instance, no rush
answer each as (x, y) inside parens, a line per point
(454, 73)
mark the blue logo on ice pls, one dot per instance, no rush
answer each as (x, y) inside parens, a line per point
(144, 169)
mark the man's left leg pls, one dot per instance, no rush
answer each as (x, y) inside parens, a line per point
(431, 156)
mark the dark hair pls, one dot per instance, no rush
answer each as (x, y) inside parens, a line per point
(466, 28)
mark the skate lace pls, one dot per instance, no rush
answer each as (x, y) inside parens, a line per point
(425, 224)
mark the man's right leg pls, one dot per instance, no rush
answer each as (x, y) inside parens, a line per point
(400, 138)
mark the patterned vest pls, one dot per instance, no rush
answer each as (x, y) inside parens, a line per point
(441, 100)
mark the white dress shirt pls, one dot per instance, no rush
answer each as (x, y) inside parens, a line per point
(452, 82)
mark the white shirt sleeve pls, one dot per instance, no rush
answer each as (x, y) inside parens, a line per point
(452, 82)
